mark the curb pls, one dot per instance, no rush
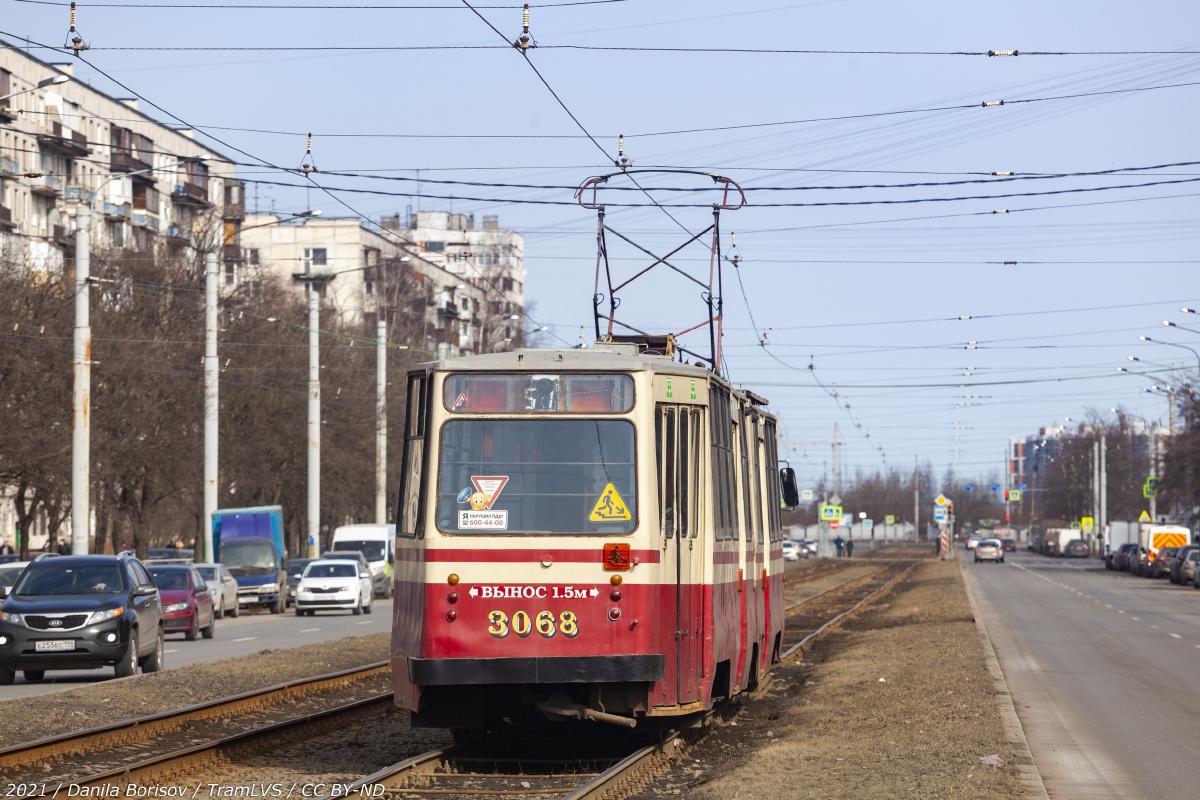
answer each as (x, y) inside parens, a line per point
(1031, 779)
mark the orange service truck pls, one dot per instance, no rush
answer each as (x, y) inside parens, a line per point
(1152, 538)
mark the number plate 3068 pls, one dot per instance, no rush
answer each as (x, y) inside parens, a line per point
(522, 624)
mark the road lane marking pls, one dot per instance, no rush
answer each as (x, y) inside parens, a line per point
(1108, 605)
(1174, 635)
(1154, 626)
(1139, 619)
(309, 630)
(368, 622)
(1120, 611)
(245, 638)
(176, 651)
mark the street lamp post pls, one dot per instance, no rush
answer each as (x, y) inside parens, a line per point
(1174, 344)
(42, 84)
(81, 363)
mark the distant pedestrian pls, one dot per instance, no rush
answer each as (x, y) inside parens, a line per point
(849, 548)
(124, 547)
(841, 546)
(6, 549)
(64, 549)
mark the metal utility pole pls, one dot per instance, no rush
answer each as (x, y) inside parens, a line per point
(81, 401)
(836, 472)
(381, 421)
(211, 404)
(1153, 470)
(314, 418)
(1102, 521)
(916, 505)
(1171, 411)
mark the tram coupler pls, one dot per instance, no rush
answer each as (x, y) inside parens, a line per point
(560, 706)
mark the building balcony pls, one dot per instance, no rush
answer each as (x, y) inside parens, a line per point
(48, 185)
(7, 114)
(176, 232)
(233, 253)
(122, 211)
(123, 161)
(9, 168)
(64, 141)
(233, 211)
(146, 220)
(190, 194)
(62, 236)
(79, 193)
(6, 220)
(448, 310)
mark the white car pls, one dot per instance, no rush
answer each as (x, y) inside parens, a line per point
(331, 585)
(973, 541)
(10, 571)
(808, 547)
(223, 588)
(791, 550)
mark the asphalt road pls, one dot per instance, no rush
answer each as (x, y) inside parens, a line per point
(246, 634)
(1101, 666)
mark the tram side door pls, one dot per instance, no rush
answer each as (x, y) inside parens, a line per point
(680, 460)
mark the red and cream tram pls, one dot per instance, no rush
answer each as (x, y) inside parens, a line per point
(588, 534)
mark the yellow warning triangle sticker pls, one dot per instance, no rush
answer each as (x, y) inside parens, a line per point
(610, 507)
(1143, 518)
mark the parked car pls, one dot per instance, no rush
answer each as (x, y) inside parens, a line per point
(223, 588)
(295, 568)
(348, 555)
(187, 603)
(1176, 566)
(989, 550)
(1077, 548)
(333, 584)
(9, 558)
(170, 554)
(80, 612)
(1121, 557)
(1009, 545)
(10, 571)
(1161, 566)
(972, 542)
(791, 550)
(1187, 571)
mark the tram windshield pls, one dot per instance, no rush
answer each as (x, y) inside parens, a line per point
(537, 476)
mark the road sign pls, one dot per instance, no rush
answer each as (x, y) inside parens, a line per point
(970, 487)
(890, 519)
(836, 500)
(1013, 495)
(1149, 491)
(1145, 517)
(995, 487)
(1088, 523)
(941, 500)
(1075, 526)
(831, 513)
(833, 525)
(1021, 487)
(1153, 482)
(868, 524)
(939, 514)
(806, 494)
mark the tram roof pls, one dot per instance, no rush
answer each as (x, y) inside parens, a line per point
(603, 357)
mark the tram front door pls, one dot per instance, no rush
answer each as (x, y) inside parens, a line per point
(680, 470)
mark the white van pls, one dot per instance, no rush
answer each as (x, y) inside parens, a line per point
(378, 544)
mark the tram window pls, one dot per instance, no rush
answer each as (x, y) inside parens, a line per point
(697, 472)
(544, 476)
(721, 431)
(409, 518)
(773, 488)
(569, 393)
(747, 506)
(685, 496)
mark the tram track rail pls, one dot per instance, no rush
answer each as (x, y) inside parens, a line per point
(98, 742)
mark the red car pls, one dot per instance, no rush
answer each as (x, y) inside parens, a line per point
(186, 602)
(1009, 545)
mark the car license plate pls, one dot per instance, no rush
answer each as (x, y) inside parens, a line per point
(65, 644)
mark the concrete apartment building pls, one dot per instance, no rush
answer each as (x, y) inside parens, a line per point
(62, 143)
(456, 289)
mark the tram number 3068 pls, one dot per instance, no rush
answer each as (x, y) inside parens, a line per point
(544, 623)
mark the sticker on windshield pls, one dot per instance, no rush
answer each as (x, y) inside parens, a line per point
(610, 507)
(480, 496)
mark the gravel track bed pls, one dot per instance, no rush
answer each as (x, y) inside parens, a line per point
(341, 756)
(29, 718)
(76, 767)
(827, 727)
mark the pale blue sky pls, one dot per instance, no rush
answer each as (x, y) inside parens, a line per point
(820, 278)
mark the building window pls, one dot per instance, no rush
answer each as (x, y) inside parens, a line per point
(507, 284)
(435, 247)
(230, 273)
(252, 256)
(314, 257)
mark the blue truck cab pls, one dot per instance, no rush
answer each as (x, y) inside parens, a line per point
(249, 542)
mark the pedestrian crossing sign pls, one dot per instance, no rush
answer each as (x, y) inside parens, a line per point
(890, 519)
(830, 513)
(1145, 517)
(610, 507)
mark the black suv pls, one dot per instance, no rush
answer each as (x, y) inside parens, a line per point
(80, 612)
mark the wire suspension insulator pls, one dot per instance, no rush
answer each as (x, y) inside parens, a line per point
(308, 164)
(990, 103)
(74, 40)
(1004, 53)
(622, 161)
(525, 41)
(1003, 173)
